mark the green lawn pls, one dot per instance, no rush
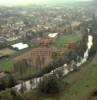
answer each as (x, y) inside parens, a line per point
(6, 65)
(61, 40)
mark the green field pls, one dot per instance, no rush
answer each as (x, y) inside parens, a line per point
(61, 40)
(83, 83)
(6, 65)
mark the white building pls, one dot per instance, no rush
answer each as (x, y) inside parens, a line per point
(52, 35)
(20, 46)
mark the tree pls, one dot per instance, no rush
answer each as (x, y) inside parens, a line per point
(10, 94)
(23, 88)
(21, 66)
(2, 85)
(11, 80)
(55, 56)
(39, 62)
(50, 84)
(8, 81)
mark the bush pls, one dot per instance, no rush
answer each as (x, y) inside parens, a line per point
(10, 95)
(7, 82)
(50, 84)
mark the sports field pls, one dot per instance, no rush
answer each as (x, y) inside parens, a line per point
(60, 41)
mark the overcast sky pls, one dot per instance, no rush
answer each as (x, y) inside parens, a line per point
(25, 2)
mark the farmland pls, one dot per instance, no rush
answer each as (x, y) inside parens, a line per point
(6, 51)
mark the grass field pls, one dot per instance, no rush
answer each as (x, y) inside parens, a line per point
(82, 84)
(6, 65)
(61, 40)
